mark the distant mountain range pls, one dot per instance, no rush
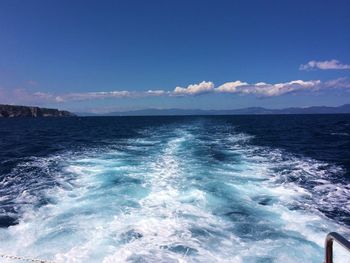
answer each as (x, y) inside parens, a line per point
(11, 111)
(245, 111)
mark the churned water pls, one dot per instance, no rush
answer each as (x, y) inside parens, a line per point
(174, 189)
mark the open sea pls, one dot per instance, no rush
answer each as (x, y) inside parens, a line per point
(174, 189)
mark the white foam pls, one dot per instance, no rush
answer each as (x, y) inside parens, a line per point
(170, 205)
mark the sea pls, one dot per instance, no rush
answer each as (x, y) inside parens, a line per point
(174, 189)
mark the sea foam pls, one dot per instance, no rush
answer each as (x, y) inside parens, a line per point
(175, 195)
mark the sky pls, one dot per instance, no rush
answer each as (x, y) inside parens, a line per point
(103, 56)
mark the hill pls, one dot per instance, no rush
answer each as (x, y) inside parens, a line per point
(10, 111)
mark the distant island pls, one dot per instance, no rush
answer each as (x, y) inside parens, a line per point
(344, 109)
(11, 111)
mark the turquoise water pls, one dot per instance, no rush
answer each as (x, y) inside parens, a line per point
(194, 190)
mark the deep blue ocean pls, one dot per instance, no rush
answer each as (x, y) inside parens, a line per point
(174, 189)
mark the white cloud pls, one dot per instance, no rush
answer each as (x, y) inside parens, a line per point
(324, 65)
(265, 89)
(93, 95)
(22, 96)
(195, 89)
(156, 92)
(43, 95)
(340, 83)
(231, 87)
(261, 89)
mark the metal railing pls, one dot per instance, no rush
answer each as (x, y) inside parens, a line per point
(333, 236)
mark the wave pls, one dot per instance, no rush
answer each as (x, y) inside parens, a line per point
(174, 194)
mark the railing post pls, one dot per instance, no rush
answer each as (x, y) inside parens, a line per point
(329, 249)
(329, 245)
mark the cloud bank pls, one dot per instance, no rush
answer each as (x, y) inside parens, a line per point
(260, 89)
(324, 65)
(92, 95)
(266, 89)
(195, 89)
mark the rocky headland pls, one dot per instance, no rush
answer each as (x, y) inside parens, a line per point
(11, 111)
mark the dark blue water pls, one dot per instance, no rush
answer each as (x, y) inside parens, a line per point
(174, 189)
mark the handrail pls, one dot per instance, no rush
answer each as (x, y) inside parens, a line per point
(333, 236)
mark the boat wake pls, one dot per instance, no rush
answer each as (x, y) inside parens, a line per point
(181, 193)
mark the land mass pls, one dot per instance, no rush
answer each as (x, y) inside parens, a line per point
(344, 109)
(10, 111)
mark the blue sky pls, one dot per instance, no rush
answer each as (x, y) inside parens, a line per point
(119, 55)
